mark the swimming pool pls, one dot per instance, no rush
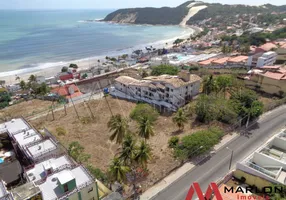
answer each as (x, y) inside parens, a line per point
(176, 58)
(1, 160)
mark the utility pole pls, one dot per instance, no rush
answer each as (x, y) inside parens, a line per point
(106, 101)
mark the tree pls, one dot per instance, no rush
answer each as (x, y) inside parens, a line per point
(119, 126)
(32, 78)
(23, 84)
(180, 119)
(209, 85)
(41, 89)
(178, 41)
(129, 149)
(145, 129)
(223, 82)
(73, 66)
(65, 69)
(198, 143)
(205, 109)
(164, 69)
(143, 154)
(76, 151)
(144, 110)
(118, 170)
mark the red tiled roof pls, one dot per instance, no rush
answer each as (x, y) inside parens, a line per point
(277, 76)
(64, 90)
(268, 46)
(207, 62)
(238, 59)
(221, 60)
(271, 67)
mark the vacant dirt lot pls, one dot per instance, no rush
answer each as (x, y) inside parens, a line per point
(94, 134)
(26, 108)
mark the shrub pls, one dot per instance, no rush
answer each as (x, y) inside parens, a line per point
(98, 174)
(164, 69)
(61, 131)
(144, 110)
(198, 143)
(173, 141)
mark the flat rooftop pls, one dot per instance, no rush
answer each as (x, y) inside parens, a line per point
(50, 188)
(38, 172)
(25, 191)
(15, 125)
(41, 148)
(26, 137)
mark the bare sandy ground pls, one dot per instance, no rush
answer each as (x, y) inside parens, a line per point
(193, 10)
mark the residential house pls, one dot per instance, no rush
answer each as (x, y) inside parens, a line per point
(269, 79)
(281, 55)
(52, 174)
(67, 91)
(167, 91)
(268, 161)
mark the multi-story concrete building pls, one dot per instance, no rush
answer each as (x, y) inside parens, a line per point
(262, 59)
(50, 173)
(269, 161)
(167, 91)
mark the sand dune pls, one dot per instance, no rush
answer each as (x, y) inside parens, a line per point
(193, 10)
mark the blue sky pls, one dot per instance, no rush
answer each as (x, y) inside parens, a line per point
(93, 4)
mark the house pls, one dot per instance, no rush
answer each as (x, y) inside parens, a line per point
(40, 79)
(268, 46)
(268, 161)
(269, 79)
(261, 59)
(166, 91)
(281, 55)
(49, 173)
(67, 91)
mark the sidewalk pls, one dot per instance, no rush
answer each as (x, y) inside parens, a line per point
(168, 180)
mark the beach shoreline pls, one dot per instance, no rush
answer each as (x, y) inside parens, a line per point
(85, 63)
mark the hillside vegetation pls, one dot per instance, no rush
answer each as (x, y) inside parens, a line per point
(172, 16)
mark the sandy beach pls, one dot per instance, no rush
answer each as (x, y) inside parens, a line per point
(86, 63)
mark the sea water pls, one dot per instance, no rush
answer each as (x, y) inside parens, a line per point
(39, 39)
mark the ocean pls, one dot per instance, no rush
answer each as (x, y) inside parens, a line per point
(37, 39)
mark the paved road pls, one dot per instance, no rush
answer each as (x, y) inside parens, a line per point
(218, 165)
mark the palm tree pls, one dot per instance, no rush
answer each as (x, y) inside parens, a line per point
(129, 148)
(143, 154)
(180, 119)
(119, 126)
(118, 170)
(145, 128)
(32, 78)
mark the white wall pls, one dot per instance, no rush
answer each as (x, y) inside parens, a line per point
(280, 143)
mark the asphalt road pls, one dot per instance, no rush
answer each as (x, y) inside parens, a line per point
(218, 165)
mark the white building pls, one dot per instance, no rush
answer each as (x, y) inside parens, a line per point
(262, 59)
(40, 79)
(52, 175)
(165, 90)
(269, 161)
(61, 178)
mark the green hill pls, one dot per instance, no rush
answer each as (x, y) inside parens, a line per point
(173, 16)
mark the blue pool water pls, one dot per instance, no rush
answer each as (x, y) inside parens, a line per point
(1, 160)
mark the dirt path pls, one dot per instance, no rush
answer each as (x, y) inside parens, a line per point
(193, 10)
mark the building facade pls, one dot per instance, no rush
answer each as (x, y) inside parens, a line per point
(269, 161)
(167, 91)
(262, 59)
(49, 172)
